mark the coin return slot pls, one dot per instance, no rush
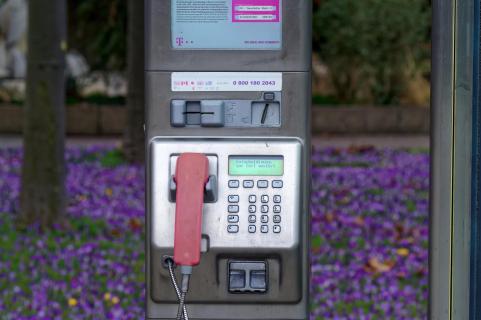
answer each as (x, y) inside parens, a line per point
(247, 277)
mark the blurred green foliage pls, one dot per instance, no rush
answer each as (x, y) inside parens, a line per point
(324, 100)
(113, 158)
(98, 29)
(372, 47)
(109, 159)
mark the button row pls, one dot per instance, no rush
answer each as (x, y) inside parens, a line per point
(262, 184)
(265, 228)
(264, 199)
(252, 228)
(264, 209)
(253, 219)
(253, 209)
(253, 198)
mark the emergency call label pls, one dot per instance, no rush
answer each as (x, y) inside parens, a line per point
(227, 24)
(226, 81)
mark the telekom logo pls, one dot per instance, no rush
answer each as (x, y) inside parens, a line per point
(179, 41)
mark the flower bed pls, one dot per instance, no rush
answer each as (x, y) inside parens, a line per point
(370, 234)
(369, 249)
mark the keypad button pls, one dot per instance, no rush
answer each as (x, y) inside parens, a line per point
(233, 219)
(252, 229)
(277, 209)
(277, 184)
(262, 184)
(233, 209)
(277, 229)
(233, 183)
(252, 219)
(252, 198)
(233, 198)
(264, 228)
(248, 184)
(232, 228)
(252, 209)
(265, 199)
(264, 219)
(277, 199)
(277, 219)
(265, 209)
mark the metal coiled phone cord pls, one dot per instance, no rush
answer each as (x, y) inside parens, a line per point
(182, 312)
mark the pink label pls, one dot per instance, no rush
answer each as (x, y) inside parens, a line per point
(255, 11)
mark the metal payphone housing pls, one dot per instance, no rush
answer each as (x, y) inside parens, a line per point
(280, 255)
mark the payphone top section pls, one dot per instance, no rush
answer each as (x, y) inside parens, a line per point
(228, 35)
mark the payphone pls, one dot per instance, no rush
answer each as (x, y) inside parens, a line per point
(228, 154)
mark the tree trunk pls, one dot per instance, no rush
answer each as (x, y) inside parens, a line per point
(134, 138)
(42, 196)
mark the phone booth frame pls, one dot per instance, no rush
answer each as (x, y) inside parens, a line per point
(455, 264)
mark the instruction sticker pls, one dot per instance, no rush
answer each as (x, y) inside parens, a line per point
(226, 81)
(227, 24)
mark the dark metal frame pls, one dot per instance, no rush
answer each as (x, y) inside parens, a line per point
(451, 147)
(475, 289)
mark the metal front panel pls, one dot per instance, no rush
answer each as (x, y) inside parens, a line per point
(215, 214)
(208, 298)
(295, 102)
(244, 113)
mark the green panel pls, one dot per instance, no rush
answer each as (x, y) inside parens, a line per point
(256, 166)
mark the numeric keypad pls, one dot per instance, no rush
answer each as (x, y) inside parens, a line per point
(246, 208)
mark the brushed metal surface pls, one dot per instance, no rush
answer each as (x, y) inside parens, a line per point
(215, 222)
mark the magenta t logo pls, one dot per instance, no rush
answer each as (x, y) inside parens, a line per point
(179, 41)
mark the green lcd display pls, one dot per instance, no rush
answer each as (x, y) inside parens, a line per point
(256, 165)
